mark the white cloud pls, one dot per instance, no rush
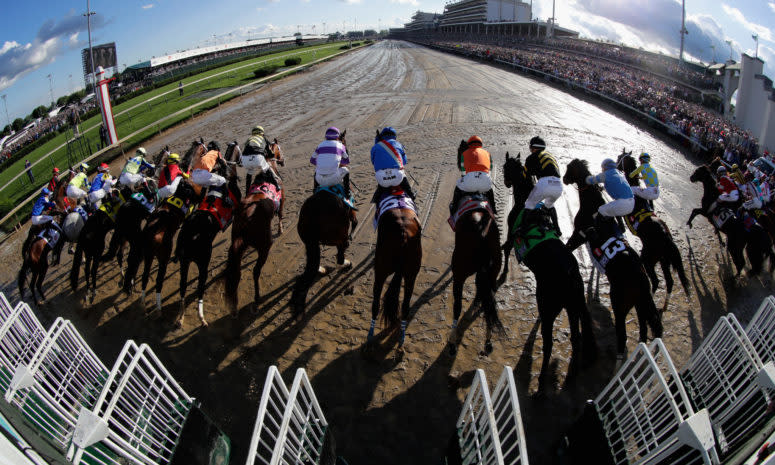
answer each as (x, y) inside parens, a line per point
(406, 2)
(147, 7)
(350, 2)
(762, 31)
(772, 6)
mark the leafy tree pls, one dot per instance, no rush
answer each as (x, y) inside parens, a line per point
(62, 101)
(39, 112)
(17, 124)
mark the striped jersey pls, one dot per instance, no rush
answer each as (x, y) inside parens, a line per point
(542, 164)
(647, 173)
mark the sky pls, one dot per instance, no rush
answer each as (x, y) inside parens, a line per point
(44, 37)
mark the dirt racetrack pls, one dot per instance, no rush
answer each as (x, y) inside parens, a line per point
(401, 410)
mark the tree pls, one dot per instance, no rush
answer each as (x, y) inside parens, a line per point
(369, 32)
(6, 130)
(62, 101)
(39, 112)
(17, 124)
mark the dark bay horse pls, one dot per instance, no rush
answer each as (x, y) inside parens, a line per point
(399, 252)
(324, 219)
(756, 242)
(658, 244)
(36, 261)
(233, 154)
(129, 222)
(558, 280)
(195, 241)
(630, 286)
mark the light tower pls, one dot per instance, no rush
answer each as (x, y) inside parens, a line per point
(683, 30)
(5, 103)
(88, 15)
(51, 88)
(756, 39)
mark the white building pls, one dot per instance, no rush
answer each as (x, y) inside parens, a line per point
(755, 108)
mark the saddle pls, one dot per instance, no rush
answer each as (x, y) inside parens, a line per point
(721, 215)
(111, 208)
(183, 199)
(338, 191)
(51, 234)
(389, 201)
(222, 208)
(470, 202)
(269, 190)
(529, 234)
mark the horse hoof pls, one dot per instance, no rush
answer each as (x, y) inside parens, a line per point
(346, 264)
(179, 323)
(452, 350)
(204, 323)
(322, 270)
(487, 348)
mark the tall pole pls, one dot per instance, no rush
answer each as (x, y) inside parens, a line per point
(51, 89)
(729, 42)
(756, 39)
(5, 103)
(713, 47)
(552, 34)
(683, 30)
(88, 15)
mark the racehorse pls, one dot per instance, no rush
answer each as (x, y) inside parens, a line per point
(36, 261)
(233, 154)
(194, 153)
(477, 251)
(59, 197)
(629, 283)
(129, 221)
(324, 219)
(756, 243)
(158, 160)
(195, 241)
(553, 265)
(658, 245)
(399, 252)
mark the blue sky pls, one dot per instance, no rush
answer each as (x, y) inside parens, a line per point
(44, 37)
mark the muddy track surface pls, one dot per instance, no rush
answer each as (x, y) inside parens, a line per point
(395, 409)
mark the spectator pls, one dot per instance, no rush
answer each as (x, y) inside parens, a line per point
(180, 88)
(28, 167)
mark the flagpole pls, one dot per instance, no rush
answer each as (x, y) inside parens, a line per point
(756, 39)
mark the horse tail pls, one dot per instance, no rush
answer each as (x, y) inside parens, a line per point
(674, 255)
(485, 285)
(76, 269)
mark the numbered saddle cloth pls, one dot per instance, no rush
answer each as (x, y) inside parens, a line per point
(467, 204)
(51, 235)
(270, 191)
(527, 236)
(634, 219)
(338, 190)
(221, 208)
(183, 206)
(111, 208)
(390, 201)
(605, 250)
(721, 216)
(145, 202)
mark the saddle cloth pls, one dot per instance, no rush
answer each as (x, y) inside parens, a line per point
(219, 209)
(604, 252)
(467, 204)
(268, 189)
(338, 190)
(390, 201)
(51, 235)
(634, 219)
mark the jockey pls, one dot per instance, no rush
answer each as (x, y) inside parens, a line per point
(389, 158)
(133, 170)
(331, 159)
(729, 193)
(475, 162)
(79, 184)
(649, 176)
(100, 185)
(52, 185)
(41, 205)
(751, 193)
(254, 157)
(617, 187)
(202, 175)
(170, 176)
(548, 188)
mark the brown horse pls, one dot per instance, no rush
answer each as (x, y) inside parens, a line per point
(36, 261)
(274, 160)
(477, 251)
(399, 252)
(195, 241)
(324, 219)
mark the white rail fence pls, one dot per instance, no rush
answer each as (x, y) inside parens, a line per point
(290, 426)
(489, 427)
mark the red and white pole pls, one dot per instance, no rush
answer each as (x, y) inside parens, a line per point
(103, 99)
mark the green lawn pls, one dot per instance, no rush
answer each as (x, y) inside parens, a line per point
(148, 108)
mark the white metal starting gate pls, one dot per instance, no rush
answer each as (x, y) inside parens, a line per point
(62, 376)
(290, 427)
(647, 417)
(20, 335)
(726, 376)
(761, 330)
(490, 427)
(139, 414)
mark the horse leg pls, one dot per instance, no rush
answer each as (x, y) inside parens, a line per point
(146, 276)
(41, 277)
(695, 212)
(234, 272)
(94, 266)
(409, 280)
(665, 263)
(620, 323)
(184, 264)
(87, 266)
(649, 264)
(22, 277)
(280, 215)
(263, 254)
(457, 306)
(340, 260)
(304, 282)
(164, 260)
(380, 276)
(202, 265)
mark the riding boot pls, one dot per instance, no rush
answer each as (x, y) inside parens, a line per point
(315, 185)
(620, 223)
(491, 199)
(407, 189)
(555, 220)
(346, 185)
(456, 196)
(57, 251)
(248, 183)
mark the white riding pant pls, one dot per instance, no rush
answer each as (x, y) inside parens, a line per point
(41, 219)
(753, 204)
(75, 193)
(254, 164)
(96, 196)
(648, 193)
(170, 189)
(548, 189)
(389, 177)
(734, 196)
(618, 207)
(129, 179)
(331, 179)
(205, 178)
(475, 181)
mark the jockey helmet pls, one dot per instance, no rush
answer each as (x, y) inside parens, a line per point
(213, 146)
(608, 164)
(537, 143)
(475, 140)
(102, 168)
(173, 158)
(45, 191)
(721, 170)
(140, 151)
(388, 133)
(55, 170)
(83, 167)
(332, 133)
(644, 157)
(258, 131)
